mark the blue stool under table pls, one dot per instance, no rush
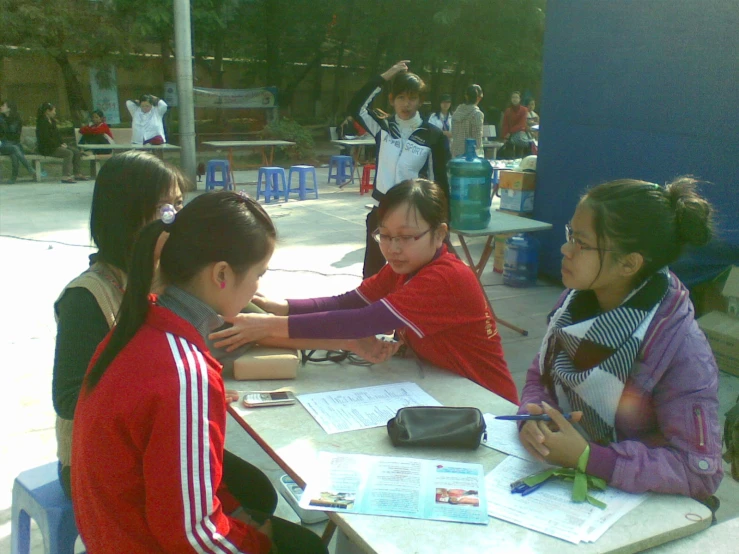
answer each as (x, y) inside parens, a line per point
(272, 177)
(38, 494)
(341, 164)
(303, 171)
(210, 175)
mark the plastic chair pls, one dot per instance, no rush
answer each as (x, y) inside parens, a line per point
(365, 185)
(210, 175)
(38, 494)
(303, 171)
(272, 176)
(341, 164)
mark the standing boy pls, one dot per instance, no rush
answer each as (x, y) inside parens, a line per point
(407, 146)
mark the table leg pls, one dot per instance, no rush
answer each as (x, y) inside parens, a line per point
(328, 532)
(267, 448)
(231, 167)
(355, 156)
(478, 269)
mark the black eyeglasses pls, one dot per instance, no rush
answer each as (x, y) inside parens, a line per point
(401, 240)
(578, 244)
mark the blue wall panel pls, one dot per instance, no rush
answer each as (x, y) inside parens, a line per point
(646, 90)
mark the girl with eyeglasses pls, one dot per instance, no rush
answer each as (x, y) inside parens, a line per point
(425, 293)
(623, 351)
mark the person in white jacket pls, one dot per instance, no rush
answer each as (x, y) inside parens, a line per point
(443, 118)
(147, 113)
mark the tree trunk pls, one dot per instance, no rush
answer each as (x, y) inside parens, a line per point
(339, 71)
(286, 97)
(272, 32)
(164, 49)
(318, 89)
(77, 105)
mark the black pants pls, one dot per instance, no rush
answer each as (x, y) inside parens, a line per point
(258, 497)
(373, 258)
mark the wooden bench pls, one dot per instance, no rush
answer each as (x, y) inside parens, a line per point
(28, 137)
(120, 136)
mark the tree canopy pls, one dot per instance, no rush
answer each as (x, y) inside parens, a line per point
(495, 43)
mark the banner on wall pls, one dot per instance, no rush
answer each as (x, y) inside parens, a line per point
(170, 94)
(105, 97)
(265, 97)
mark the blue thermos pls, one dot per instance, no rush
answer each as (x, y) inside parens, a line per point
(521, 265)
(470, 189)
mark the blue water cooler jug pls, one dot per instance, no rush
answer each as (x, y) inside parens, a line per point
(521, 265)
(470, 189)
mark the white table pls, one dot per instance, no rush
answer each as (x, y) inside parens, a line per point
(494, 145)
(293, 439)
(500, 223)
(262, 145)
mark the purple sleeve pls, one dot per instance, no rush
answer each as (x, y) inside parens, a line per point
(344, 324)
(686, 405)
(346, 301)
(534, 391)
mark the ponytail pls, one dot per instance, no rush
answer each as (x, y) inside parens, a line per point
(678, 216)
(215, 227)
(135, 303)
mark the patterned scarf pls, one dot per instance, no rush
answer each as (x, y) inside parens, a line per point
(590, 355)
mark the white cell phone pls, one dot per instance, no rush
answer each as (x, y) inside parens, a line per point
(259, 399)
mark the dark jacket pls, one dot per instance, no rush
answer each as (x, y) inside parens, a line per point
(48, 136)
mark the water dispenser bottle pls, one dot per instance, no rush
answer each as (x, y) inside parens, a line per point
(521, 264)
(470, 189)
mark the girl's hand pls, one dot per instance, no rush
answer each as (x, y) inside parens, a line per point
(564, 442)
(246, 328)
(232, 396)
(531, 436)
(373, 349)
(276, 307)
(402, 65)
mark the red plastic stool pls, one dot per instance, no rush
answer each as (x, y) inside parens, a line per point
(365, 185)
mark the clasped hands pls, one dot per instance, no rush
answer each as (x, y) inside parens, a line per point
(554, 442)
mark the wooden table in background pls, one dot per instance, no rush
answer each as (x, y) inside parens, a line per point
(500, 223)
(263, 145)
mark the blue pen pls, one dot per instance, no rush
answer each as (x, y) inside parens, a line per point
(532, 489)
(529, 417)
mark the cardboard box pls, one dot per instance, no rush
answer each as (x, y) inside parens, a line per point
(722, 332)
(517, 200)
(517, 180)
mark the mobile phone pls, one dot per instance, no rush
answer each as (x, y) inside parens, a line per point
(259, 399)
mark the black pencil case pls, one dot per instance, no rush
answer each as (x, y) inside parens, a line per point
(439, 426)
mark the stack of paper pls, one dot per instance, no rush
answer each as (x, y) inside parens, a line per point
(352, 409)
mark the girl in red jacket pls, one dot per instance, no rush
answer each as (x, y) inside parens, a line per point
(150, 423)
(97, 132)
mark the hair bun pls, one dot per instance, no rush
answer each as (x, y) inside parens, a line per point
(693, 214)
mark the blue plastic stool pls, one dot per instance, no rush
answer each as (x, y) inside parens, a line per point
(272, 176)
(38, 494)
(341, 164)
(210, 175)
(303, 171)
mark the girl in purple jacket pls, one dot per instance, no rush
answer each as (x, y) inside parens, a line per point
(623, 351)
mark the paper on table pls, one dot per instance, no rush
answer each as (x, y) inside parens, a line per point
(503, 436)
(352, 409)
(401, 487)
(550, 509)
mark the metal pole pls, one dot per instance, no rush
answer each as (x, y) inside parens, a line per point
(183, 58)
